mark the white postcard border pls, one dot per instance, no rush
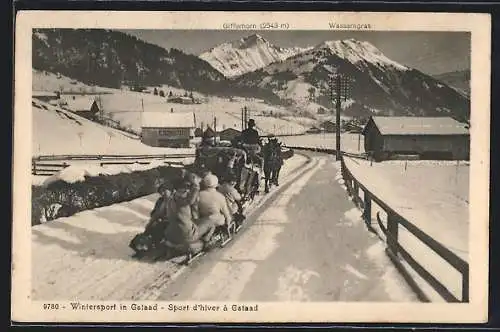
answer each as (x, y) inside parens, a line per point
(479, 25)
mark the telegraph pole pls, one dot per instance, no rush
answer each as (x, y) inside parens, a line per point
(340, 89)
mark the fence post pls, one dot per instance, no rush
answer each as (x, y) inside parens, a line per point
(355, 192)
(367, 212)
(392, 233)
(33, 163)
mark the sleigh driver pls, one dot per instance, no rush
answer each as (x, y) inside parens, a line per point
(251, 142)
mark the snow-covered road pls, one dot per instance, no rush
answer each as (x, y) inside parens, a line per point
(307, 244)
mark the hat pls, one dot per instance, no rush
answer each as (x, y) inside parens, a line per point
(251, 122)
(165, 186)
(210, 181)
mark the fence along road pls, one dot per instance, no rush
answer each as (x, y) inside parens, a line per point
(412, 270)
(51, 164)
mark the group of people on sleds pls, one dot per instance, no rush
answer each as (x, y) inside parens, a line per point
(194, 212)
(188, 213)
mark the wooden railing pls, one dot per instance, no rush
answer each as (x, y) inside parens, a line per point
(396, 251)
(110, 156)
(49, 165)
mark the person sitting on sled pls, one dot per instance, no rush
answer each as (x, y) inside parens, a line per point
(154, 230)
(182, 229)
(233, 197)
(212, 205)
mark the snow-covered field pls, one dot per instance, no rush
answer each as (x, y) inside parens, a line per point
(434, 196)
(60, 132)
(86, 256)
(126, 107)
(353, 143)
(47, 81)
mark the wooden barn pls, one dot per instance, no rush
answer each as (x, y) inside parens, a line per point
(441, 138)
(228, 134)
(165, 129)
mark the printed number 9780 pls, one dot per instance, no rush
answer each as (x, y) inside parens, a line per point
(50, 306)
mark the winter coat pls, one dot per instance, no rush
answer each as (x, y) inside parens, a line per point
(232, 196)
(181, 226)
(160, 209)
(250, 136)
(212, 205)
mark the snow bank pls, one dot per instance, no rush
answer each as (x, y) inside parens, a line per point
(434, 197)
(77, 173)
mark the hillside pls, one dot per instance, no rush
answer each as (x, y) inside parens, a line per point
(111, 59)
(60, 132)
(459, 80)
(379, 84)
(246, 55)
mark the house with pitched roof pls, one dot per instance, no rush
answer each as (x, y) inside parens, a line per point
(165, 129)
(441, 138)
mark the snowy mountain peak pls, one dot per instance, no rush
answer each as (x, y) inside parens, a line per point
(252, 40)
(246, 55)
(356, 51)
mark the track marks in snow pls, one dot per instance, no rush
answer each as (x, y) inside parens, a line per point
(228, 277)
(292, 283)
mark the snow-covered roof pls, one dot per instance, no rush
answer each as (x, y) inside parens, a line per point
(402, 125)
(167, 120)
(228, 129)
(80, 103)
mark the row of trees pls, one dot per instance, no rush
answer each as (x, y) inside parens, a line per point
(161, 93)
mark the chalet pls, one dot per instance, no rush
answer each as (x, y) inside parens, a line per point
(441, 138)
(328, 126)
(165, 129)
(313, 130)
(352, 127)
(84, 106)
(181, 100)
(229, 134)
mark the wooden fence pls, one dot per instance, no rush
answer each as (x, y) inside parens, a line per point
(49, 165)
(396, 251)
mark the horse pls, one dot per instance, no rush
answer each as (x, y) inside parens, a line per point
(273, 160)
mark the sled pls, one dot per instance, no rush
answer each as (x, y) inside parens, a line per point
(190, 257)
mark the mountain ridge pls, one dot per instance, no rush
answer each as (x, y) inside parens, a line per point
(247, 54)
(380, 85)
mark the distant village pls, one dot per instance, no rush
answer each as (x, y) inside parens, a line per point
(424, 137)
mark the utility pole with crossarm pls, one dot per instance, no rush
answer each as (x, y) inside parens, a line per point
(340, 88)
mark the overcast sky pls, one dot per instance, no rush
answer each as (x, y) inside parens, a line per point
(430, 52)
